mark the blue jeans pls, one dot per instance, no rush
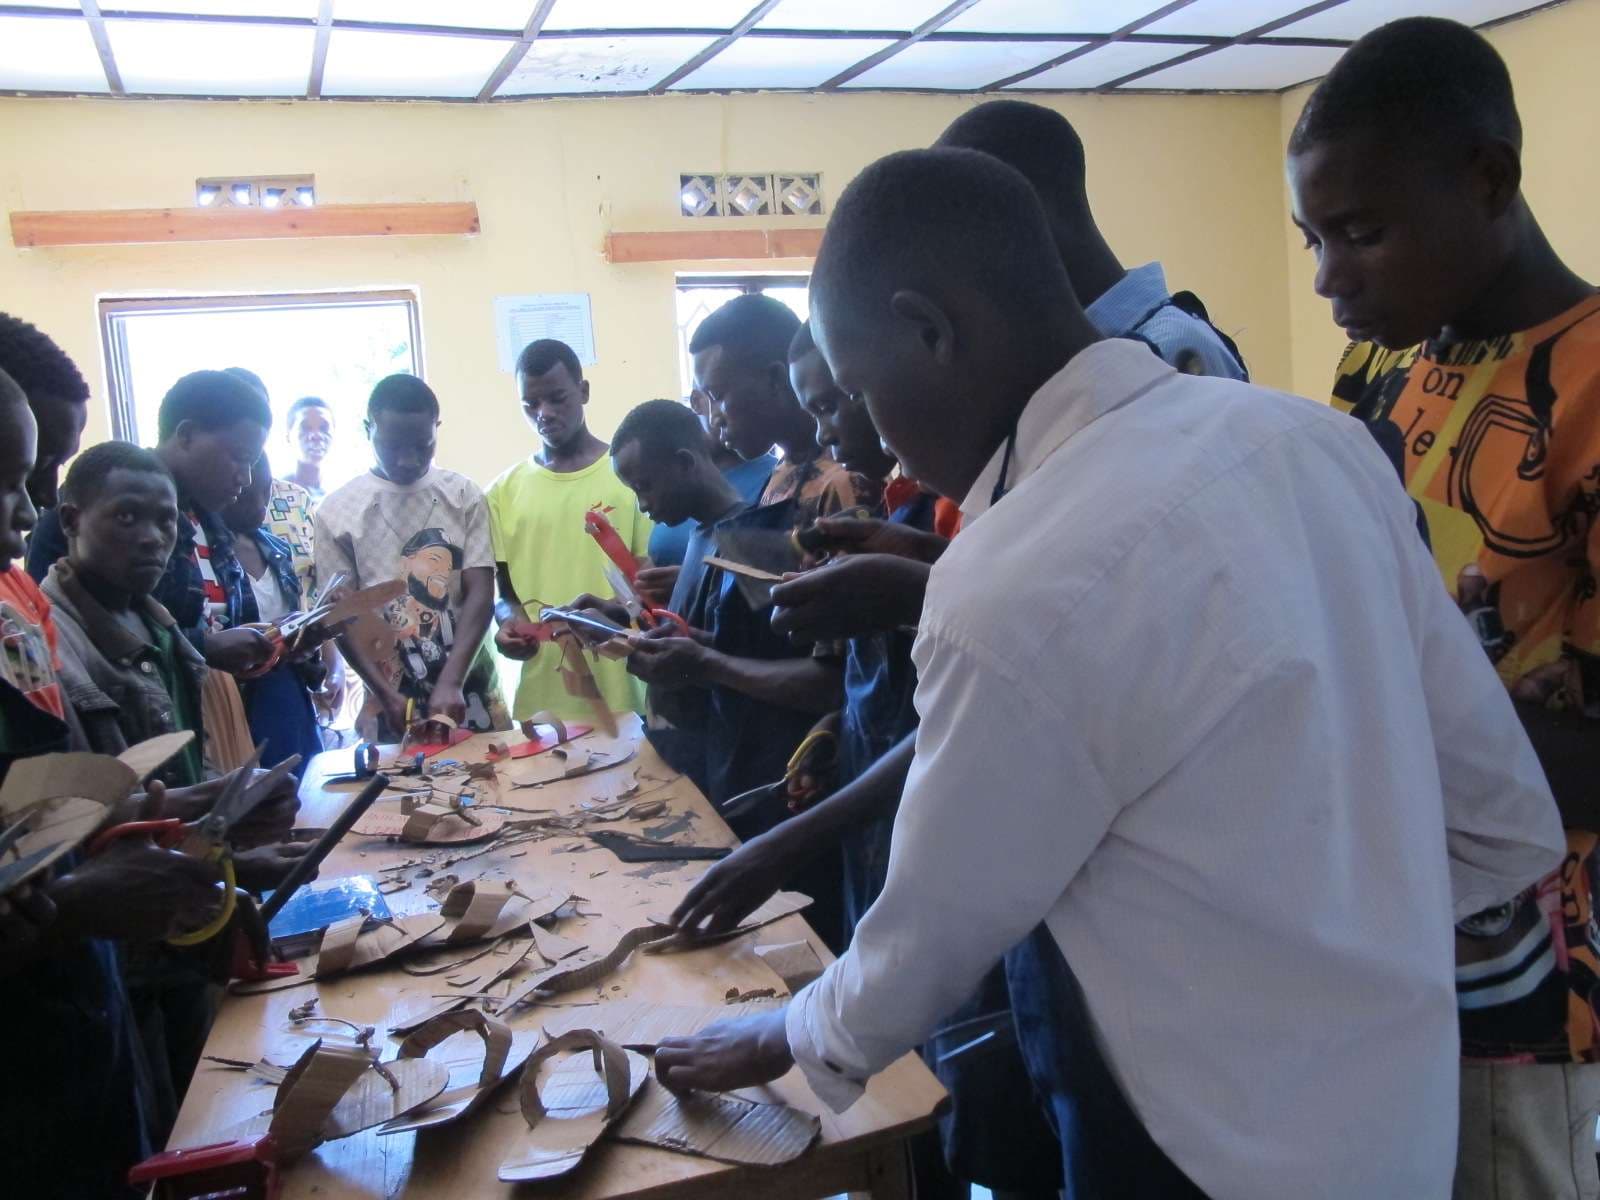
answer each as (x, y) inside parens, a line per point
(1106, 1152)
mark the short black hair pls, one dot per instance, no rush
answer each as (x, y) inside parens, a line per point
(1030, 138)
(86, 478)
(1423, 81)
(305, 402)
(930, 219)
(402, 394)
(537, 358)
(211, 400)
(250, 377)
(39, 366)
(662, 427)
(752, 328)
(802, 343)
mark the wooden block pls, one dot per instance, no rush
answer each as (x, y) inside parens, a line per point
(111, 227)
(698, 245)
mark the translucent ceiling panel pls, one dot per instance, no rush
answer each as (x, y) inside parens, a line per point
(565, 65)
(1051, 16)
(48, 54)
(1223, 18)
(461, 14)
(647, 14)
(306, 9)
(958, 64)
(772, 62)
(1103, 64)
(190, 58)
(1246, 68)
(364, 62)
(898, 15)
(1355, 17)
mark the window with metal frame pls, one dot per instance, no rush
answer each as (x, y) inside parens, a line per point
(334, 345)
(699, 296)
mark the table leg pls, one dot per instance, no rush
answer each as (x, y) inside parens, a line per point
(888, 1174)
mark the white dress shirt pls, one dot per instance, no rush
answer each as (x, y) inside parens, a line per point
(1192, 694)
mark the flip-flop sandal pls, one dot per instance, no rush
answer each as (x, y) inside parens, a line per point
(582, 1100)
(334, 1091)
(430, 824)
(350, 945)
(478, 910)
(504, 1052)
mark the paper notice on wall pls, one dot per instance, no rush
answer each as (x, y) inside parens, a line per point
(563, 316)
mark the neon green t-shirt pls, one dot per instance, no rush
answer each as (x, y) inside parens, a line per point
(536, 523)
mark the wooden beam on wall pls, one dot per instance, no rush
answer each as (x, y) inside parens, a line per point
(127, 226)
(700, 245)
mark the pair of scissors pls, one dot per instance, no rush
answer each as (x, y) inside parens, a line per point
(789, 786)
(625, 580)
(207, 838)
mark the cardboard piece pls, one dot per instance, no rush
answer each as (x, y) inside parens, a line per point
(643, 1025)
(150, 755)
(796, 963)
(716, 1125)
(390, 1090)
(569, 976)
(43, 777)
(428, 825)
(348, 945)
(337, 1089)
(485, 908)
(782, 904)
(579, 681)
(471, 1083)
(582, 1096)
(54, 829)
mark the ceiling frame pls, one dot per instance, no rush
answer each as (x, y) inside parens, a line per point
(96, 13)
(943, 17)
(1301, 14)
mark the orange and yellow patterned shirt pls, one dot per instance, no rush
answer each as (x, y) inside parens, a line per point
(1500, 442)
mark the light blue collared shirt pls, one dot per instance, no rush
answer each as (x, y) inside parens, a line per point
(1136, 304)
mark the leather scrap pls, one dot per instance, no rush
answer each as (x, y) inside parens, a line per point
(719, 1126)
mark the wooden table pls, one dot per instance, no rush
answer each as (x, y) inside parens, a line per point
(861, 1150)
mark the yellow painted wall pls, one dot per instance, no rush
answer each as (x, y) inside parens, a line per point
(1193, 181)
(1551, 58)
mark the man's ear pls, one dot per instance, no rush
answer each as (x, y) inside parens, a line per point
(928, 322)
(583, 392)
(69, 514)
(367, 427)
(1498, 167)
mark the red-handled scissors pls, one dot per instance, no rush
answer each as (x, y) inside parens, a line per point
(599, 527)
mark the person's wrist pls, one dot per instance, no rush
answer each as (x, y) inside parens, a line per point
(773, 1044)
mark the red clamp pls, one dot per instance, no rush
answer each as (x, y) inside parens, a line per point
(243, 1169)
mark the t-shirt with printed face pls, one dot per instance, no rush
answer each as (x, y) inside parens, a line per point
(1501, 451)
(425, 533)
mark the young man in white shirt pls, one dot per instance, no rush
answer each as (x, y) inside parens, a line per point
(1192, 697)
